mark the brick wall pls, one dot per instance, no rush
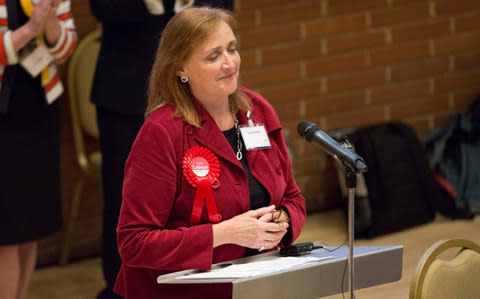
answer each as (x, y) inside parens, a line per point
(349, 63)
(338, 63)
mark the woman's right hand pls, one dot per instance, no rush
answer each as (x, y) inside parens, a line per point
(248, 230)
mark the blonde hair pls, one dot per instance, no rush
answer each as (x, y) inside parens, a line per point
(183, 33)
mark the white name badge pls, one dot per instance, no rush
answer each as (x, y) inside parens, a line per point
(255, 137)
(34, 58)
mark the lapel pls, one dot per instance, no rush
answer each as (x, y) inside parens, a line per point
(210, 136)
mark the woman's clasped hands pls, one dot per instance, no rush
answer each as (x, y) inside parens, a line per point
(260, 229)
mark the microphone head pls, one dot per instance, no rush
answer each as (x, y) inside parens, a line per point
(306, 129)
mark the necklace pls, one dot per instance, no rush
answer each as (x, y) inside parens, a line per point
(239, 142)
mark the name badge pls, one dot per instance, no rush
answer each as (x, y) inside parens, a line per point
(255, 137)
(34, 58)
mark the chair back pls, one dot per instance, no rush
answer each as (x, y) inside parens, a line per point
(81, 70)
(458, 277)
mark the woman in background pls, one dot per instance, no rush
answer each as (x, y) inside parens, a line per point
(198, 189)
(33, 38)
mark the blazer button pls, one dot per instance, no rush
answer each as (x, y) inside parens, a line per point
(278, 169)
(216, 184)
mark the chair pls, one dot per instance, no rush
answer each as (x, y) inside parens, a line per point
(81, 70)
(458, 277)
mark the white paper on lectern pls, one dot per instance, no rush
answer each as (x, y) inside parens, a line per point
(254, 268)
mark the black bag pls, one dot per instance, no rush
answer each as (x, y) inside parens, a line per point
(401, 190)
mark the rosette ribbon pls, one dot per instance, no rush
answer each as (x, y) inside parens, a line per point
(201, 169)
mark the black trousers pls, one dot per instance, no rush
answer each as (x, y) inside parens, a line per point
(117, 133)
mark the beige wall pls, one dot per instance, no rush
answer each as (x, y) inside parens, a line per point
(339, 63)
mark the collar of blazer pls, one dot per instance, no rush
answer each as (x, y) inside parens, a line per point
(210, 136)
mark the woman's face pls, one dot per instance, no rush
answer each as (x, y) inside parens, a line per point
(213, 67)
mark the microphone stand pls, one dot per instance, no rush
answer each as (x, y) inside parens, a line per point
(351, 184)
(353, 165)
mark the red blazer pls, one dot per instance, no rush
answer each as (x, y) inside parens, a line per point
(154, 234)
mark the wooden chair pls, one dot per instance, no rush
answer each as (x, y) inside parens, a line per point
(81, 70)
(457, 278)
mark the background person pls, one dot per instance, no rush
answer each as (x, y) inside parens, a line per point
(191, 148)
(29, 132)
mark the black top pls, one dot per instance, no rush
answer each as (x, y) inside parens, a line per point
(259, 196)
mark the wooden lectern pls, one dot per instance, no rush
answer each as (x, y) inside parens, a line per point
(374, 265)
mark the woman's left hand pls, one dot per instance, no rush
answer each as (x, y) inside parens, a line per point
(274, 238)
(52, 11)
(276, 216)
(52, 25)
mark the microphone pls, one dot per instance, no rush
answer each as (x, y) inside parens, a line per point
(312, 133)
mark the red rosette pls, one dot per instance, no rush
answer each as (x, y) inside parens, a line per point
(201, 168)
(194, 168)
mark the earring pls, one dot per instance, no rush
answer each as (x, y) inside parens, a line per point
(184, 79)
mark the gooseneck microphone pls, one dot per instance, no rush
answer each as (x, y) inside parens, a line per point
(312, 133)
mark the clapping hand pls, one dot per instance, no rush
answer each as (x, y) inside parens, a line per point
(44, 12)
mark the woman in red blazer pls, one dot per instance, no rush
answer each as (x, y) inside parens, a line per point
(208, 178)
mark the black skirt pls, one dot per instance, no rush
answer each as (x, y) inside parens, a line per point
(30, 205)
